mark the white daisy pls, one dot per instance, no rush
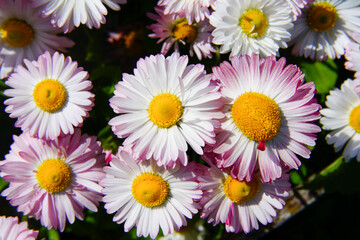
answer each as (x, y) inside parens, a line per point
(325, 29)
(241, 205)
(174, 29)
(164, 106)
(352, 55)
(71, 13)
(24, 34)
(147, 196)
(192, 10)
(257, 26)
(49, 96)
(342, 118)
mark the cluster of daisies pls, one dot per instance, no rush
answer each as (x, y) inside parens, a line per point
(250, 119)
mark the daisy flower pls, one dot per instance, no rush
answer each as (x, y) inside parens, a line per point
(71, 13)
(197, 10)
(257, 26)
(49, 96)
(174, 29)
(194, 231)
(165, 105)
(352, 55)
(241, 205)
(54, 180)
(148, 196)
(25, 34)
(269, 117)
(325, 28)
(296, 6)
(10, 229)
(342, 117)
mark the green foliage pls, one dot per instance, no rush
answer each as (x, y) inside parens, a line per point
(298, 176)
(323, 74)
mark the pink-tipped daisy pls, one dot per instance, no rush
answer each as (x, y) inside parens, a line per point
(174, 29)
(164, 106)
(352, 55)
(325, 28)
(49, 96)
(342, 118)
(246, 27)
(241, 205)
(10, 229)
(149, 197)
(296, 6)
(24, 34)
(54, 180)
(197, 10)
(72, 13)
(270, 114)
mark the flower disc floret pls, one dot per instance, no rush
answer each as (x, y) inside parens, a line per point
(241, 191)
(50, 95)
(149, 189)
(253, 23)
(185, 31)
(354, 119)
(16, 32)
(165, 110)
(322, 17)
(54, 175)
(257, 116)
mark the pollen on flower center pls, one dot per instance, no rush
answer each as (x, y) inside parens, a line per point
(354, 119)
(53, 175)
(184, 31)
(165, 110)
(149, 189)
(241, 191)
(321, 17)
(16, 32)
(254, 23)
(257, 116)
(50, 95)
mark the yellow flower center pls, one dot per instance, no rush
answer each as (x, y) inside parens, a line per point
(54, 175)
(50, 95)
(16, 33)
(149, 190)
(257, 116)
(321, 17)
(184, 31)
(253, 22)
(354, 120)
(165, 110)
(241, 191)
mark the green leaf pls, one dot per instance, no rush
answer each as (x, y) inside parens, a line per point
(323, 74)
(298, 176)
(3, 184)
(332, 167)
(53, 234)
